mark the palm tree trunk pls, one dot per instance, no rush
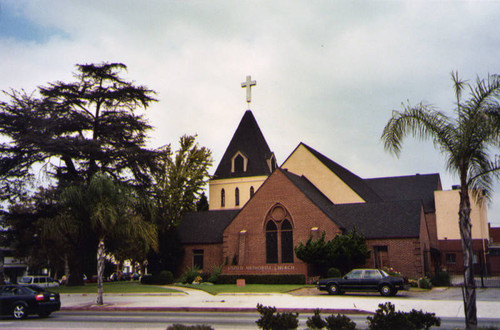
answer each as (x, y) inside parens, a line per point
(100, 271)
(469, 292)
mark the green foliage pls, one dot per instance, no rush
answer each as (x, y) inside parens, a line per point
(345, 252)
(332, 322)
(215, 273)
(339, 322)
(263, 279)
(189, 327)
(333, 272)
(424, 283)
(386, 317)
(189, 275)
(441, 278)
(280, 321)
(315, 321)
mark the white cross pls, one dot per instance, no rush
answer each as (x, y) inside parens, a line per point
(248, 85)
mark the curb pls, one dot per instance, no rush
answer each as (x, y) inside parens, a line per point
(114, 308)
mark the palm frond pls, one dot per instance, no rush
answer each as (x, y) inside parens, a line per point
(422, 122)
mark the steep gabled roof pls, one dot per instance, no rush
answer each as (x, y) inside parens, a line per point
(413, 187)
(204, 227)
(249, 140)
(356, 183)
(397, 219)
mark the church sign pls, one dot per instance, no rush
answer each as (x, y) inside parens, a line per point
(265, 269)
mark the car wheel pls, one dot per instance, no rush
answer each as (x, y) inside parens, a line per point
(386, 290)
(19, 311)
(44, 314)
(333, 289)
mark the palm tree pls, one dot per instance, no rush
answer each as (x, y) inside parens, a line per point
(107, 208)
(465, 141)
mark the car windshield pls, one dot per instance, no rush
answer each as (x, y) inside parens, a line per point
(25, 280)
(384, 273)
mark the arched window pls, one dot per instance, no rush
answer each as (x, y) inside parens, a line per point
(279, 234)
(239, 163)
(286, 242)
(271, 243)
(222, 198)
(237, 197)
(252, 192)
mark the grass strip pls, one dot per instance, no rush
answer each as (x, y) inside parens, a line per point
(114, 287)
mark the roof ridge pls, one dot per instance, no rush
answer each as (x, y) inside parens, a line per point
(354, 181)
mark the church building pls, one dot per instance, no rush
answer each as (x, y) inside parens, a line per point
(260, 211)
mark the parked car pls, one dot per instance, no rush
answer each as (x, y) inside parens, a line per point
(41, 281)
(364, 280)
(20, 301)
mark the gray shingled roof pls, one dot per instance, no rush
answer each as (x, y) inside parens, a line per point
(375, 220)
(413, 187)
(397, 219)
(249, 140)
(352, 180)
(204, 227)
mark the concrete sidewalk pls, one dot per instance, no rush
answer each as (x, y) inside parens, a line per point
(197, 300)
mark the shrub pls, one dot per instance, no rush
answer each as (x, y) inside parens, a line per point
(441, 278)
(315, 321)
(423, 320)
(164, 277)
(387, 318)
(333, 272)
(424, 283)
(269, 321)
(216, 271)
(191, 327)
(339, 322)
(263, 279)
(190, 275)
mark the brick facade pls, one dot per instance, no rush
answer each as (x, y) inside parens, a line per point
(245, 237)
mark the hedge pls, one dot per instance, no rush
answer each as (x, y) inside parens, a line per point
(263, 279)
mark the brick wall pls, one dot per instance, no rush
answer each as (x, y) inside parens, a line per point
(246, 235)
(403, 255)
(454, 247)
(212, 256)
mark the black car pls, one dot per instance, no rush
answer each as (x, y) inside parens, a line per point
(364, 280)
(21, 301)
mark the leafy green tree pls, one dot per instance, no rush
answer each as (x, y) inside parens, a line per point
(465, 142)
(178, 186)
(70, 131)
(344, 251)
(76, 129)
(105, 208)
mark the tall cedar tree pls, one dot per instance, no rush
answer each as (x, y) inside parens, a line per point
(465, 142)
(74, 130)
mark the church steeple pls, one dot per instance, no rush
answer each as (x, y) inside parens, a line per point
(245, 165)
(248, 153)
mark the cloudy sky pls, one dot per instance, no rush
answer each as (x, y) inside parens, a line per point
(329, 73)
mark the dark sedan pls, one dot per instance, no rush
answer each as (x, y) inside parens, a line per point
(364, 280)
(21, 301)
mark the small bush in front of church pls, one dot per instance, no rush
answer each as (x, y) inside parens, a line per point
(334, 322)
(271, 321)
(189, 275)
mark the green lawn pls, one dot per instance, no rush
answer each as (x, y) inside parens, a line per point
(114, 287)
(137, 287)
(249, 288)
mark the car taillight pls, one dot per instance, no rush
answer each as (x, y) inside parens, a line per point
(39, 297)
